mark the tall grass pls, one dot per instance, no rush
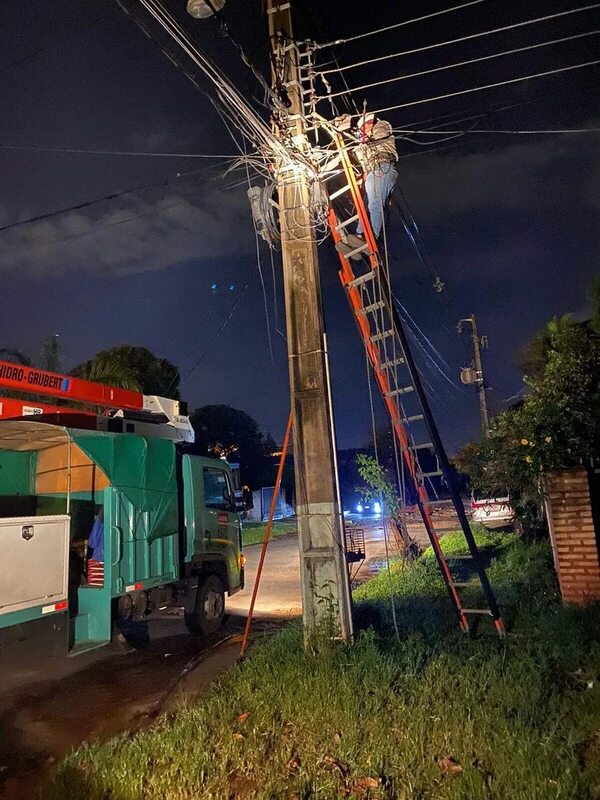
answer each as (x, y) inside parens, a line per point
(431, 715)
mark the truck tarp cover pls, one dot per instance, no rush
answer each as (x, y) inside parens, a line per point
(141, 469)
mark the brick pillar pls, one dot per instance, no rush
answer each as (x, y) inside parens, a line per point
(572, 534)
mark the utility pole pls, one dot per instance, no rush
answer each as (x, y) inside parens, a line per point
(324, 575)
(467, 375)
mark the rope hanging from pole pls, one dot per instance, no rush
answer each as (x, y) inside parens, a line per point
(265, 543)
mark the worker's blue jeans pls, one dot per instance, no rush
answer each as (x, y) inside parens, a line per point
(379, 184)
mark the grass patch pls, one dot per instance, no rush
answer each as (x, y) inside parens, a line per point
(453, 543)
(254, 532)
(433, 715)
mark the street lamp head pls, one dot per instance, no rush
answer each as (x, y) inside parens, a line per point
(201, 9)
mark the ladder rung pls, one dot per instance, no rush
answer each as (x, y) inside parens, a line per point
(362, 279)
(484, 611)
(380, 336)
(414, 418)
(430, 474)
(360, 249)
(464, 584)
(338, 192)
(424, 446)
(390, 364)
(438, 502)
(464, 557)
(401, 390)
(347, 222)
(373, 307)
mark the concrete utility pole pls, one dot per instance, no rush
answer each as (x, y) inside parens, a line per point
(324, 574)
(467, 377)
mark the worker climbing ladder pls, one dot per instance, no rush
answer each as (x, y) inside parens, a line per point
(370, 296)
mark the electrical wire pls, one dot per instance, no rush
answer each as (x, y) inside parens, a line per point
(95, 229)
(262, 279)
(398, 25)
(463, 38)
(112, 196)
(479, 131)
(488, 86)
(221, 328)
(77, 150)
(490, 57)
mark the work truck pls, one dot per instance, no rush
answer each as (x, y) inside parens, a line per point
(106, 514)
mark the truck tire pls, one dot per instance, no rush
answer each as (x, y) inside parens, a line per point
(209, 606)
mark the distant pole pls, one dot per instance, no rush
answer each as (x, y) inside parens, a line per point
(478, 379)
(326, 599)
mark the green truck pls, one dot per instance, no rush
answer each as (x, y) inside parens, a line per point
(109, 525)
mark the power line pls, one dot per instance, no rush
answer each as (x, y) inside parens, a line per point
(78, 150)
(489, 112)
(112, 196)
(398, 25)
(477, 131)
(461, 39)
(222, 327)
(75, 236)
(462, 63)
(489, 86)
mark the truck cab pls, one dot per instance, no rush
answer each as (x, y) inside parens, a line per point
(98, 527)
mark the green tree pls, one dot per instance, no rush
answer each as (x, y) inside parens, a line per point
(51, 356)
(13, 354)
(225, 431)
(379, 486)
(534, 356)
(132, 367)
(103, 369)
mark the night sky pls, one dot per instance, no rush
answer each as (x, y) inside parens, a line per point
(510, 221)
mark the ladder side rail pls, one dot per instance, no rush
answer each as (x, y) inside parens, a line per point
(398, 427)
(355, 299)
(447, 472)
(357, 199)
(346, 275)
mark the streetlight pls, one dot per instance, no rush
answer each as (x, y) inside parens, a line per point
(201, 9)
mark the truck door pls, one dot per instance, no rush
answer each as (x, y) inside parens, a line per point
(212, 522)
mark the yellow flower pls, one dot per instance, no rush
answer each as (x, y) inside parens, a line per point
(548, 439)
(528, 459)
(524, 441)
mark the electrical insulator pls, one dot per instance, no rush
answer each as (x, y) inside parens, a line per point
(200, 9)
(468, 375)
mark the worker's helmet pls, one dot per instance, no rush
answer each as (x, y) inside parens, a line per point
(365, 119)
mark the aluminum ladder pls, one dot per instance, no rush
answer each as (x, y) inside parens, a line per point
(369, 294)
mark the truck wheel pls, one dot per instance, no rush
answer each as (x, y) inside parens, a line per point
(209, 607)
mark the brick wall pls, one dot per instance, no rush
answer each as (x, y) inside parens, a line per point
(572, 534)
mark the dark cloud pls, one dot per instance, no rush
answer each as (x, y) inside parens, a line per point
(515, 177)
(142, 235)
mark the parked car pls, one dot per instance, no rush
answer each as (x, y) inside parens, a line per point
(492, 512)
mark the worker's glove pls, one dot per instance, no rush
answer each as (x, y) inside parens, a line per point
(342, 123)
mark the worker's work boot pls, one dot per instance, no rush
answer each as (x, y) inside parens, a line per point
(349, 244)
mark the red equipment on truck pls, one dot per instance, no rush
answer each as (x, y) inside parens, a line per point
(124, 411)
